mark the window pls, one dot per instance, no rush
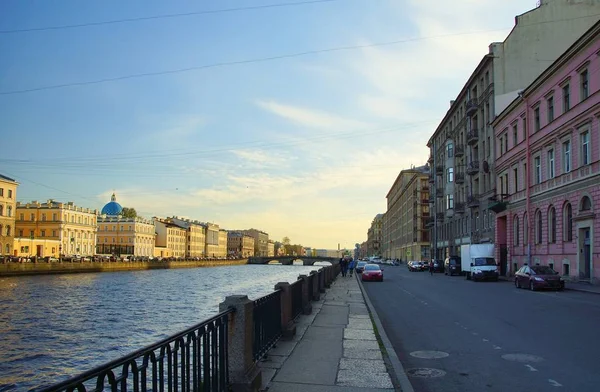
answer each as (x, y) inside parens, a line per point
(551, 225)
(516, 231)
(525, 230)
(551, 163)
(586, 204)
(450, 174)
(20, 232)
(585, 148)
(536, 119)
(2, 192)
(1, 210)
(31, 234)
(450, 150)
(32, 217)
(584, 85)
(10, 193)
(43, 233)
(538, 169)
(538, 227)
(566, 98)
(516, 179)
(21, 215)
(524, 128)
(515, 137)
(53, 233)
(506, 142)
(567, 156)
(54, 217)
(568, 222)
(550, 103)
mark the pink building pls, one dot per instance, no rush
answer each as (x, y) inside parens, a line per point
(548, 167)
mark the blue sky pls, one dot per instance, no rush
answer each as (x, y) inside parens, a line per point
(305, 147)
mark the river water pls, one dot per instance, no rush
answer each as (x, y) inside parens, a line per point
(56, 326)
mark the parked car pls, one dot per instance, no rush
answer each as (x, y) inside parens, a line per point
(372, 272)
(438, 266)
(538, 277)
(452, 266)
(360, 266)
(416, 266)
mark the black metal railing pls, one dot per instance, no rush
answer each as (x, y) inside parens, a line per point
(297, 298)
(310, 287)
(267, 323)
(193, 360)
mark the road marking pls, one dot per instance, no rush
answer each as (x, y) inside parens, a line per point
(457, 323)
(485, 340)
(429, 354)
(554, 383)
(475, 333)
(497, 347)
(531, 368)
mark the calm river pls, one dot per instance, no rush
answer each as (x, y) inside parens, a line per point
(53, 327)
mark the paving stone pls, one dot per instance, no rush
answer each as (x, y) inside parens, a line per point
(353, 378)
(362, 354)
(272, 361)
(360, 324)
(359, 334)
(360, 317)
(361, 344)
(368, 365)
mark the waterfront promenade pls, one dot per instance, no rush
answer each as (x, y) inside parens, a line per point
(335, 349)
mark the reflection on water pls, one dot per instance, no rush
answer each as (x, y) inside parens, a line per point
(57, 326)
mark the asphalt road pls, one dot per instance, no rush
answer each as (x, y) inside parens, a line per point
(488, 336)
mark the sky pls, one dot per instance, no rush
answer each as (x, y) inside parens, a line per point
(294, 119)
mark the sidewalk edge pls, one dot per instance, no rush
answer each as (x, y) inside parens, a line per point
(397, 367)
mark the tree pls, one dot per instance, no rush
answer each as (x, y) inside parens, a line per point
(128, 212)
(286, 241)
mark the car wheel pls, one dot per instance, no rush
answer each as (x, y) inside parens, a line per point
(517, 284)
(531, 287)
(468, 275)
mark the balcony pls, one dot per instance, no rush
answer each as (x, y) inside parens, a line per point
(439, 193)
(498, 203)
(473, 136)
(459, 208)
(473, 168)
(459, 178)
(439, 170)
(472, 106)
(431, 179)
(459, 151)
(440, 216)
(473, 201)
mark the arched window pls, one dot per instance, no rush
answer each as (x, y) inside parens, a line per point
(1, 209)
(1, 227)
(9, 211)
(567, 222)
(538, 227)
(552, 225)
(516, 230)
(586, 204)
(525, 230)
(8, 231)
(7, 249)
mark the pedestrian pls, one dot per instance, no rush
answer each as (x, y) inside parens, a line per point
(344, 266)
(351, 266)
(431, 267)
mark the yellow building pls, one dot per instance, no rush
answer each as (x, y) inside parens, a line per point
(73, 227)
(222, 249)
(239, 244)
(171, 237)
(8, 202)
(195, 236)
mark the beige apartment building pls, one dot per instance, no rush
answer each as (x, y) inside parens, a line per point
(121, 236)
(261, 240)
(195, 236)
(239, 244)
(56, 229)
(463, 148)
(170, 239)
(271, 248)
(8, 206)
(375, 236)
(405, 223)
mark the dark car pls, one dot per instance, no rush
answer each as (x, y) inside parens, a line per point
(538, 277)
(416, 266)
(452, 266)
(360, 267)
(438, 266)
(372, 272)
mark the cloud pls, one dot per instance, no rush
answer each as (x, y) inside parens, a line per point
(311, 118)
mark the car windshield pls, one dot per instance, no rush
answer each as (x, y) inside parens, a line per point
(543, 270)
(362, 263)
(484, 261)
(372, 267)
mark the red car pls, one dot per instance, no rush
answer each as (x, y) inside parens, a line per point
(372, 272)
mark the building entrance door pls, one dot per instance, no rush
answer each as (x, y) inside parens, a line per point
(39, 251)
(585, 257)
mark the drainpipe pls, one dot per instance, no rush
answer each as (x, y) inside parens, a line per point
(527, 176)
(434, 206)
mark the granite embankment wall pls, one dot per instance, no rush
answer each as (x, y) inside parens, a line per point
(17, 269)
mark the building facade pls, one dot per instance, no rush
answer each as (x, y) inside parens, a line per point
(260, 241)
(462, 149)
(375, 236)
(406, 230)
(74, 228)
(8, 206)
(548, 167)
(195, 241)
(170, 239)
(271, 248)
(240, 244)
(120, 236)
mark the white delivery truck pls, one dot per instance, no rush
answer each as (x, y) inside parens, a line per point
(478, 262)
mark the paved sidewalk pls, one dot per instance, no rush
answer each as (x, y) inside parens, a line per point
(335, 348)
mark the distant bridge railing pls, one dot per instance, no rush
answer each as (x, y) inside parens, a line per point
(216, 355)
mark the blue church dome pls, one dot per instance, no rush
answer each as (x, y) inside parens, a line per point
(112, 207)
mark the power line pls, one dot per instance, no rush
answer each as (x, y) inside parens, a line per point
(165, 16)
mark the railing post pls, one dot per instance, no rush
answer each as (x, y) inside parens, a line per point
(327, 276)
(306, 296)
(321, 275)
(244, 375)
(288, 328)
(314, 296)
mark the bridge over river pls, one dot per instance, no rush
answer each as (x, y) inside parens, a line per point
(289, 260)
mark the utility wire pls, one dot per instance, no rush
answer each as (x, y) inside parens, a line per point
(164, 16)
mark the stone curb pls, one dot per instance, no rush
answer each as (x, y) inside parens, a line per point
(397, 368)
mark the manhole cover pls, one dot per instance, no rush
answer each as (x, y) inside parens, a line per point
(523, 358)
(425, 372)
(429, 354)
